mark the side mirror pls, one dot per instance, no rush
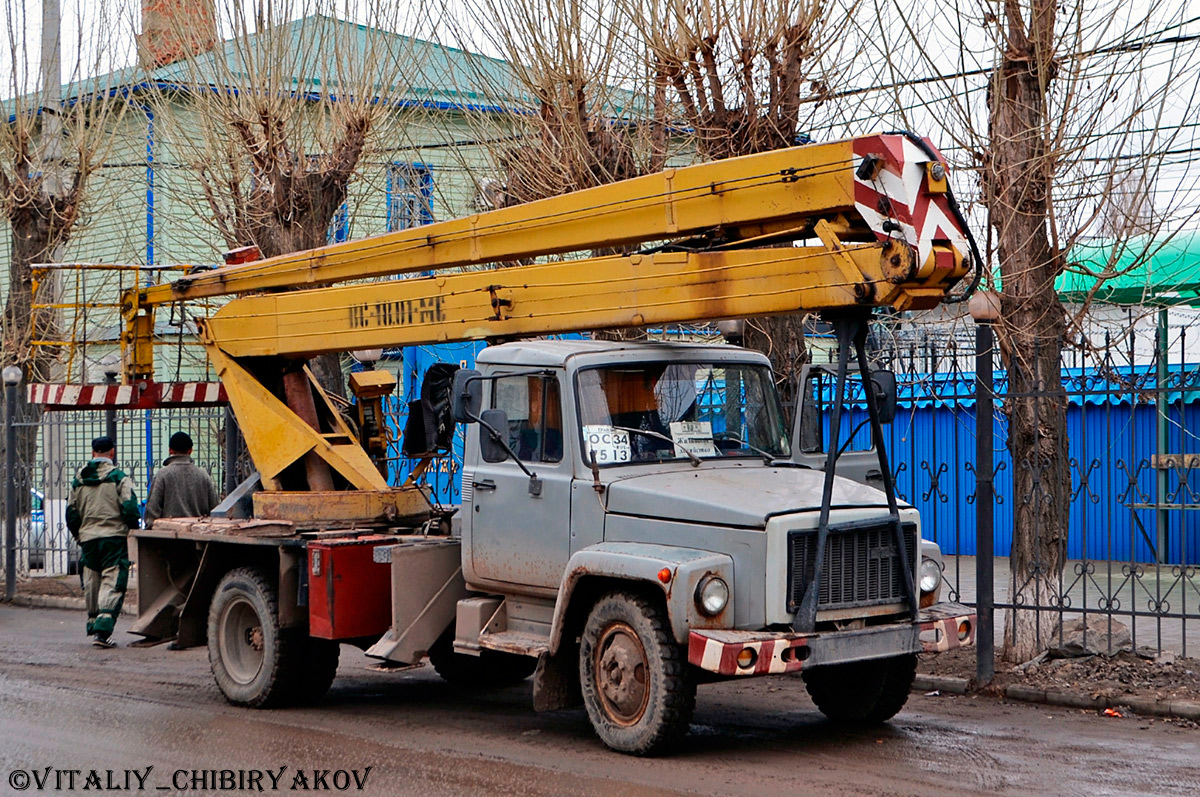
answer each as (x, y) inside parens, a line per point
(494, 422)
(885, 394)
(466, 396)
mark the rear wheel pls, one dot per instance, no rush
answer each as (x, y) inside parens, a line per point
(863, 692)
(315, 668)
(249, 653)
(636, 686)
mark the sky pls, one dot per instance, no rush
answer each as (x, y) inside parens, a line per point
(918, 39)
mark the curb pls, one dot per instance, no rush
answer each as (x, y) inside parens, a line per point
(1179, 709)
(946, 684)
(57, 602)
(1182, 709)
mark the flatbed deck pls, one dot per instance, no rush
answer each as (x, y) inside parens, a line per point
(247, 532)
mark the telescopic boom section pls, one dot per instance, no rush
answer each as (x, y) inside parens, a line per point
(708, 241)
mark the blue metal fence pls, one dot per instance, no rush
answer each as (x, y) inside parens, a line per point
(1111, 427)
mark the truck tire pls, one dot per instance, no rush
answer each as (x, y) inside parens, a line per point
(864, 692)
(251, 656)
(316, 668)
(490, 669)
(636, 685)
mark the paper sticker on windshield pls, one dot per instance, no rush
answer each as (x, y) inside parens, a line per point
(608, 444)
(694, 436)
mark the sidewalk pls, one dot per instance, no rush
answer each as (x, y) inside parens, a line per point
(61, 592)
(1176, 591)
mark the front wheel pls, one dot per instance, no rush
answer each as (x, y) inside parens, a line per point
(862, 692)
(636, 686)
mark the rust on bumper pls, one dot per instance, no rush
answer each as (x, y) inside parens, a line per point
(947, 626)
(940, 628)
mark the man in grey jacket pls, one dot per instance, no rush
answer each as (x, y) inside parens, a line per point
(181, 488)
(100, 514)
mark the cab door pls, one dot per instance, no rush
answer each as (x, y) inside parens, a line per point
(520, 528)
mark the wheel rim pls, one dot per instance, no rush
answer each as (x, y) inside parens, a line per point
(241, 641)
(622, 674)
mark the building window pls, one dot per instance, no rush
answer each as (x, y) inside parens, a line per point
(339, 227)
(409, 195)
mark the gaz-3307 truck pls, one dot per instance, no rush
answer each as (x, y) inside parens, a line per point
(636, 518)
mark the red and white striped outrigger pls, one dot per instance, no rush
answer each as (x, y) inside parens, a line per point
(144, 395)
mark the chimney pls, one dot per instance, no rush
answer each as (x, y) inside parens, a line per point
(175, 29)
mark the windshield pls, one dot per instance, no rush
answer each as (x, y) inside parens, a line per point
(649, 412)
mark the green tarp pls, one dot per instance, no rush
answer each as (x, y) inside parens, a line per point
(1140, 270)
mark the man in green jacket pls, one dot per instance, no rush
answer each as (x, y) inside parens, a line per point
(100, 514)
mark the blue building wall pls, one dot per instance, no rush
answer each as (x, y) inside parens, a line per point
(444, 476)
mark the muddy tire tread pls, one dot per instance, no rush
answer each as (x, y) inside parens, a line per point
(315, 668)
(279, 686)
(862, 693)
(672, 705)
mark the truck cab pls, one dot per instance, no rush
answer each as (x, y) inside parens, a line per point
(612, 486)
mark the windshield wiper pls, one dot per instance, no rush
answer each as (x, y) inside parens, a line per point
(769, 458)
(695, 459)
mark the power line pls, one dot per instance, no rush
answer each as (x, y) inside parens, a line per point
(1134, 46)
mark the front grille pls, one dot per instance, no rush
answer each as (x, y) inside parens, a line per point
(861, 567)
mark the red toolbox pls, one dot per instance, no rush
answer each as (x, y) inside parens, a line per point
(349, 588)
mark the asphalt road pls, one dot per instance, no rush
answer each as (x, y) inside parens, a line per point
(65, 705)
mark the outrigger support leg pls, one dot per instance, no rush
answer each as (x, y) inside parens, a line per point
(889, 484)
(851, 330)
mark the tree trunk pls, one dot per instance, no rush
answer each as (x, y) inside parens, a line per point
(1017, 183)
(36, 235)
(781, 338)
(314, 200)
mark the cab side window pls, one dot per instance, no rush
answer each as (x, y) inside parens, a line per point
(533, 405)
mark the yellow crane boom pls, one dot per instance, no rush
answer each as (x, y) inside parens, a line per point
(881, 191)
(861, 223)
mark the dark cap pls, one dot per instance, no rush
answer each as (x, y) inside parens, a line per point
(103, 444)
(181, 442)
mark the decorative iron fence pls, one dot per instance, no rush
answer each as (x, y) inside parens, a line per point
(61, 445)
(1132, 473)
(1131, 551)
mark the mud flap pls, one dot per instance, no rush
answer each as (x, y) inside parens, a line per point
(193, 615)
(556, 681)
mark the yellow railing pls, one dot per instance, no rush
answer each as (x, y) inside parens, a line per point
(77, 312)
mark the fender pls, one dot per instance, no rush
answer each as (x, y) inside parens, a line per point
(641, 563)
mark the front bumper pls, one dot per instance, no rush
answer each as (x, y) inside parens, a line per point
(942, 627)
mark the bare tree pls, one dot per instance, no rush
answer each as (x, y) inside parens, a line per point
(50, 148)
(275, 120)
(580, 111)
(1053, 106)
(742, 70)
(747, 76)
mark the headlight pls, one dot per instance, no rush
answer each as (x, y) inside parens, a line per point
(712, 595)
(931, 575)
